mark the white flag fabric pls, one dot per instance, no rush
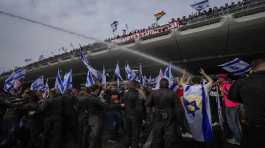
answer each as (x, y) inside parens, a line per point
(197, 111)
(169, 76)
(85, 60)
(159, 77)
(83, 57)
(168, 72)
(59, 82)
(95, 73)
(236, 66)
(118, 72)
(63, 84)
(174, 86)
(130, 73)
(104, 78)
(67, 83)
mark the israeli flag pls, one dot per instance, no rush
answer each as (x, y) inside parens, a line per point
(12, 81)
(130, 73)
(201, 5)
(83, 57)
(89, 79)
(117, 72)
(95, 73)
(168, 75)
(149, 80)
(99, 76)
(118, 75)
(236, 66)
(38, 84)
(197, 111)
(174, 86)
(68, 80)
(59, 83)
(104, 78)
(159, 77)
(168, 72)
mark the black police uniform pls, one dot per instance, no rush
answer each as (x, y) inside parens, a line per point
(134, 115)
(165, 128)
(90, 120)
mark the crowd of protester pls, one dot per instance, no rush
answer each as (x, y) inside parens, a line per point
(134, 115)
(186, 20)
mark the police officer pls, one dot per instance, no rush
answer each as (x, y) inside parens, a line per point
(53, 122)
(134, 109)
(70, 120)
(83, 116)
(95, 109)
(4, 105)
(60, 122)
(165, 129)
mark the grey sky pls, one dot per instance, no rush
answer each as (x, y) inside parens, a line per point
(20, 40)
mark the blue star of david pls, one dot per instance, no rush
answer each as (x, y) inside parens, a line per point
(194, 104)
(234, 67)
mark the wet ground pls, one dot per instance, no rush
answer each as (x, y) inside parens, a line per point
(187, 143)
(218, 142)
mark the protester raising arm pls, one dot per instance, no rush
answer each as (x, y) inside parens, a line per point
(184, 78)
(207, 77)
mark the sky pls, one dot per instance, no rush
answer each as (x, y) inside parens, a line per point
(20, 40)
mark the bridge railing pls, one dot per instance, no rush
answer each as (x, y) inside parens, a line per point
(250, 11)
(202, 23)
